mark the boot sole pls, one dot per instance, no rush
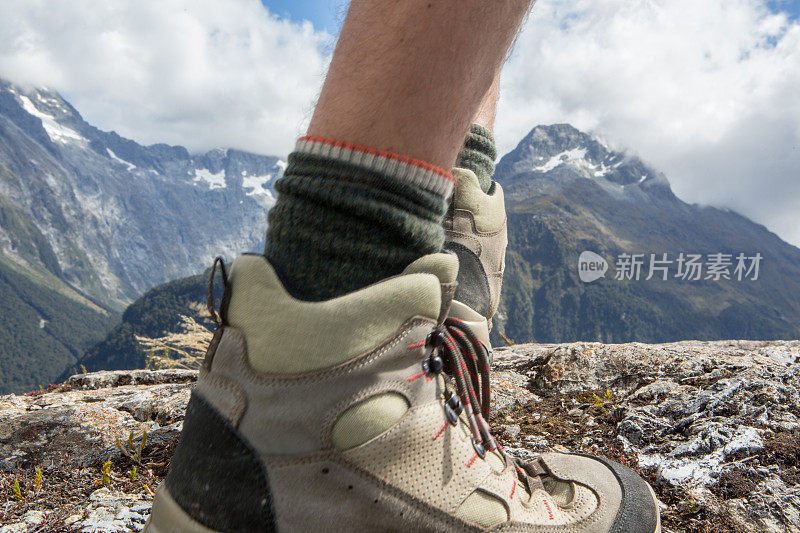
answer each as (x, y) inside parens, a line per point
(658, 509)
(168, 517)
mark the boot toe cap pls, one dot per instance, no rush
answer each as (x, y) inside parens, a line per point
(638, 512)
(622, 493)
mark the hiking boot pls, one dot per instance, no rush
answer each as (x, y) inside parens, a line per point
(366, 412)
(475, 230)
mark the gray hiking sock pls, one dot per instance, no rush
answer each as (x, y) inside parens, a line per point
(348, 216)
(478, 155)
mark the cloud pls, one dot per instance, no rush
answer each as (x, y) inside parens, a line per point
(705, 91)
(201, 73)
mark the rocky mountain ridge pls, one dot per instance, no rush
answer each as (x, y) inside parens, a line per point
(714, 426)
(119, 217)
(90, 220)
(568, 193)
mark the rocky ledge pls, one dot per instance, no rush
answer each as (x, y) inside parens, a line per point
(714, 426)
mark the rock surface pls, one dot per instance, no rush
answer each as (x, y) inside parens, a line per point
(713, 425)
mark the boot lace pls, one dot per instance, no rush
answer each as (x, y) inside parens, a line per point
(456, 351)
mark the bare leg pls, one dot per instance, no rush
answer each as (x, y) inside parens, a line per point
(405, 82)
(488, 108)
(408, 76)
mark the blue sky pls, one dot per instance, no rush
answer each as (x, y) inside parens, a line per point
(792, 7)
(327, 14)
(323, 14)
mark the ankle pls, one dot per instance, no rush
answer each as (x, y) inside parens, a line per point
(348, 216)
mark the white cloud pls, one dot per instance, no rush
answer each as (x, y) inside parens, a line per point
(706, 91)
(201, 73)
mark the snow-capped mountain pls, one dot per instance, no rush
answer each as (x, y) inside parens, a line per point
(567, 193)
(550, 158)
(121, 217)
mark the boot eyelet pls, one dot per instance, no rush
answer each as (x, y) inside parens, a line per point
(451, 415)
(452, 408)
(479, 449)
(435, 364)
(455, 403)
(435, 338)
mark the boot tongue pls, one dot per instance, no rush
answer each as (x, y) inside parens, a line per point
(445, 267)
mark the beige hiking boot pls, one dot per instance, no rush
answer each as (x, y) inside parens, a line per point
(475, 230)
(367, 412)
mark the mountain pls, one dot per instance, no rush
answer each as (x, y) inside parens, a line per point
(46, 324)
(158, 321)
(567, 192)
(90, 220)
(121, 217)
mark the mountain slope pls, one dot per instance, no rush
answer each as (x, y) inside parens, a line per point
(90, 220)
(47, 325)
(121, 217)
(567, 193)
(160, 311)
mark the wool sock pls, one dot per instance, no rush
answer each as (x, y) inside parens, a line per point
(478, 155)
(348, 216)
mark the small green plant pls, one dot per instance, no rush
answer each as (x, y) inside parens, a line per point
(37, 482)
(508, 341)
(105, 470)
(17, 490)
(130, 450)
(601, 402)
(83, 369)
(132, 475)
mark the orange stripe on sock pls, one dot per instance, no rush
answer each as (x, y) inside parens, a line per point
(381, 153)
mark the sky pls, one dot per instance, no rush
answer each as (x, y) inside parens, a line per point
(706, 91)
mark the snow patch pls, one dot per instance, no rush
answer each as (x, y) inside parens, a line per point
(559, 159)
(57, 132)
(257, 184)
(115, 157)
(213, 180)
(602, 171)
